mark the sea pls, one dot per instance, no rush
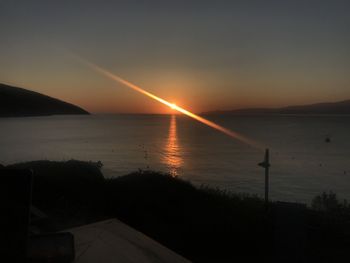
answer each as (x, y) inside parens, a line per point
(303, 164)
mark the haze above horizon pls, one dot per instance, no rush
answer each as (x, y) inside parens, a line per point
(201, 55)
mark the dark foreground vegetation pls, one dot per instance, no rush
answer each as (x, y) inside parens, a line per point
(202, 224)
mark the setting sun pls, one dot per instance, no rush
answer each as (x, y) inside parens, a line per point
(209, 123)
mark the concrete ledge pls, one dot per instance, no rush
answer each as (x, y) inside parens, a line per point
(113, 241)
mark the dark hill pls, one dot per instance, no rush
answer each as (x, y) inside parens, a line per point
(18, 102)
(341, 107)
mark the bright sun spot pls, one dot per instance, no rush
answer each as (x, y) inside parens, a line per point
(175, 107)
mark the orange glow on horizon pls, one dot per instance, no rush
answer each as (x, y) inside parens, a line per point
(209, 123)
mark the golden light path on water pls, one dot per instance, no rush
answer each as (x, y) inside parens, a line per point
(209, 123)
(172, 158)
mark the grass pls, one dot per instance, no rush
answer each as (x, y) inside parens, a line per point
(202, 224)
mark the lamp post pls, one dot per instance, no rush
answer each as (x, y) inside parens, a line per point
(266, 165)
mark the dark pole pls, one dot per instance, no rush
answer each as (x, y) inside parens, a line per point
(266, 165)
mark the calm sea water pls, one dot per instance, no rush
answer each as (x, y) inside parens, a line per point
(303, 165)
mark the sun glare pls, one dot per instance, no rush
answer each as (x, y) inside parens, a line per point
(174, 106)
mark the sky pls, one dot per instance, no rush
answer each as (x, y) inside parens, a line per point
(201, 55)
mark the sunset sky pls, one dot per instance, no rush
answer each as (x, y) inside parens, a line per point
(202, 55)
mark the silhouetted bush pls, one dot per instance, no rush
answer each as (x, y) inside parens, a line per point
(187, 219)
(69, 190)
(328, 202)
(329, 228)
(201, 223)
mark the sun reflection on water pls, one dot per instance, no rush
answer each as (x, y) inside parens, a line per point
(172, 157)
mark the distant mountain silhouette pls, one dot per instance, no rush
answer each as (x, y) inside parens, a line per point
(341, 107)
(18, 102)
